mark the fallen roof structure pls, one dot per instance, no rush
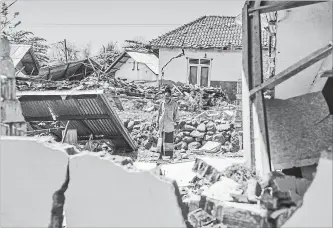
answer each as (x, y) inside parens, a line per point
(24, 59)
(90, 112)
(76, 70)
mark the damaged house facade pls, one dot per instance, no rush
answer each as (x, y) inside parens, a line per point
(136, 66)
(202, 53)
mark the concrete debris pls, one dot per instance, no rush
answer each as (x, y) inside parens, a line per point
(316, 210)
(200, 218)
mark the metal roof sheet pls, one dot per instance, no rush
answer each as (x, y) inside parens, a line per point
(90, 112)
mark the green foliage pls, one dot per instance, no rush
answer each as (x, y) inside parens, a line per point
(7, 22)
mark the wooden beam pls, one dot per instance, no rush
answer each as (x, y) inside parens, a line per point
(294, 69)
(65, 72)
(262, 151)
(65, 132)
(272, 6)
(247, 117)
(327, 74)
(68, 117)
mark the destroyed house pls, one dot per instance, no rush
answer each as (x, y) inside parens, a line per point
(24, 60)
(204, 52)
(75, 70)
(137, 66)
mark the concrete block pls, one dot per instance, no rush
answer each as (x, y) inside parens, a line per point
(236, 215)
(103, 194)
(31, 172)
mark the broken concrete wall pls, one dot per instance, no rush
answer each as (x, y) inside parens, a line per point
(37, 187)
(316, 210)
(31, 173)
(102, 194)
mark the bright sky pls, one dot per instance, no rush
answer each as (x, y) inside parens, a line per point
(100, 21)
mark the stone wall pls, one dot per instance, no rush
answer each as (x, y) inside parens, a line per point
(40, 182)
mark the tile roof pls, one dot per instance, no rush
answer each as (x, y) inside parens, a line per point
(205, 32)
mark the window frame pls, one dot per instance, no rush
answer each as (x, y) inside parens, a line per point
(199, 66)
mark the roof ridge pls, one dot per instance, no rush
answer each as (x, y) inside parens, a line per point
(180, 27)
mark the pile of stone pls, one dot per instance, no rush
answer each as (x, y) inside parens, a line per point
(208, 135)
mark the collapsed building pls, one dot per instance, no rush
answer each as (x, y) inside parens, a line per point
(291, 132)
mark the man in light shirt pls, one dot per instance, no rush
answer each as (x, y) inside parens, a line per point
(167, 119)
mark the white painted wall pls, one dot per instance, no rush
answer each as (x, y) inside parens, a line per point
(226, 65)
(299, 33)
(144, 73)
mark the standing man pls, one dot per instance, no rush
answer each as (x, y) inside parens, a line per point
(166, 119)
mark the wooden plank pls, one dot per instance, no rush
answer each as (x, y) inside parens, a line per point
(259, 119)
(294, 69)
(71, 136)
(271, 6)
(65, 132)
(67, 117)
(249, 150)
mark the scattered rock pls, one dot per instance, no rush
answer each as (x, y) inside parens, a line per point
(211, 127)
(188, 139)
(197, 134)
(177, 140)
(208, 137)
(186, 133)
(201, 127)
(188, 128)
(210, 132)
(223, 127)
(212, 147)
(194, 145)
(219, 138)
(130, 125)
(180, 135)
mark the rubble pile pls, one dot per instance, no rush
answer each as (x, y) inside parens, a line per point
(245, 200)
(206, 134)
(198, 97)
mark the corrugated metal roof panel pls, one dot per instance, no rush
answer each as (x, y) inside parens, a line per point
(90, 112)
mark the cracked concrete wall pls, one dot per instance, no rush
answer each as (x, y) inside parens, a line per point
(39, 182)
(30, 173)
(102, 194)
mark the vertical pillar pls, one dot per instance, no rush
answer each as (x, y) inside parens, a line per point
(11, 119)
